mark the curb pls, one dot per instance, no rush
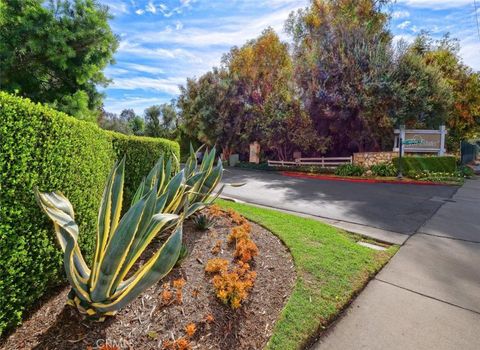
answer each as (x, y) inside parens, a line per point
(344, 179)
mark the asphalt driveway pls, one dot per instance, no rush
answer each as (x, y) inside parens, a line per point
(394, 207)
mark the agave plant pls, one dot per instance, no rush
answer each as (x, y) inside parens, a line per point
(190, 188)
(160, 204)
(203, 222)
(104, 289)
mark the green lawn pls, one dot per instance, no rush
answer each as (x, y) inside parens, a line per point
(331, 268)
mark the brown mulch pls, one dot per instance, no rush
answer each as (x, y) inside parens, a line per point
(148, 321)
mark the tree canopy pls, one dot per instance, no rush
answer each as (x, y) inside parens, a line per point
(54, 52)
(341, 86)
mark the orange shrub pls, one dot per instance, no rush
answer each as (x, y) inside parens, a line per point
(166, 296)
(216, 265)
(182, 344)
(190, 329)
(215, 211)
(246, 250)
(232, 288)
(178, 285)
(238, 233)
(236, 217)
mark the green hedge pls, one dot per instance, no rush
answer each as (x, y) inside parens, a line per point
(43, 147)
(433, 164)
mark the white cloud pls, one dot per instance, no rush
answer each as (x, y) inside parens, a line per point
(228, 31)
(151, 7)
(142, 51)
(137, 103)
(166, 85)
(400, 14)
(404, 25)
(470, 47)
(178, 25)
(143, 68)
(140, 12)
(436, 4)
(117, 7)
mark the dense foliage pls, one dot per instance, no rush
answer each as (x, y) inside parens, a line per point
(341, 87)
(384, 169)
(431, 164)
(42, 147)
(250, 97)
(54, 52)
(349, 170)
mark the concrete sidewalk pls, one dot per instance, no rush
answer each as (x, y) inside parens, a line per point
(428, 296)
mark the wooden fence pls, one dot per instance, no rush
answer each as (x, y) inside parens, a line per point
(323, 162)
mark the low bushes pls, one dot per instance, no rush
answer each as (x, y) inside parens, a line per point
(45, 148)
(384, 170)
(350, 170)
(430, 164)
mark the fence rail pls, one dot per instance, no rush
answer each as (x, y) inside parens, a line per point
(324, 162)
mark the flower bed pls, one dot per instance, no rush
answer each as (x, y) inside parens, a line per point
(183, 310)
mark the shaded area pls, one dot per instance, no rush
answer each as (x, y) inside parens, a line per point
(393, 207)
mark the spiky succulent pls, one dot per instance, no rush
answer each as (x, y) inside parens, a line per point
(160, 204)
(203, 222)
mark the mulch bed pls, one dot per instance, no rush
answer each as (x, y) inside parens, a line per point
(147, 322)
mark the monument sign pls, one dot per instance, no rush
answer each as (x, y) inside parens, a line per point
(420, 141)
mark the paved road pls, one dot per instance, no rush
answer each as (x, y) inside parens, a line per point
(428, 296)
(392, 207)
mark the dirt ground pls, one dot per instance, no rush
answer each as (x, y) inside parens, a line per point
(148, 321)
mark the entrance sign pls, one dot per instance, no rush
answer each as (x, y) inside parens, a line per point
(420, 141)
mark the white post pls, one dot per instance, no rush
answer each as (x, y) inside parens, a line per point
(441, 152)
(402, 139)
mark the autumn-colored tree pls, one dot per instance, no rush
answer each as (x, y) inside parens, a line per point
(342, 55)
(248, 99)
(463, 117)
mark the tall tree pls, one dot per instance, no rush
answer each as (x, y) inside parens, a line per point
(55, 52)
(111, 121)
(247, 99)
(342, 55)
(134, 121)
(463, 117)
(423, 97)
(161, 120)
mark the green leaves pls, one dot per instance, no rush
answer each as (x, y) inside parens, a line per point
(162, 200)
(45, 148)
(55, 59)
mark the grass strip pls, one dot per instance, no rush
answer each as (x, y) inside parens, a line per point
(331, 269)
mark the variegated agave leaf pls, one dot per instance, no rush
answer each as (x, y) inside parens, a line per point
(104, 289)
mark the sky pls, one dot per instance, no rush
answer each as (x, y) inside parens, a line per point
(164, 42)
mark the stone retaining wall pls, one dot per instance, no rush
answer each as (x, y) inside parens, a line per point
(367, 159)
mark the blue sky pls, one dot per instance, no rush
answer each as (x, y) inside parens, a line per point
(164, 42)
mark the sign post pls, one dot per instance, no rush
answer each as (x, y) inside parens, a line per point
(400, 152)
(400, 161)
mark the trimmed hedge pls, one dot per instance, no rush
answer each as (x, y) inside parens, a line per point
(432, 164)
(46, 148)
